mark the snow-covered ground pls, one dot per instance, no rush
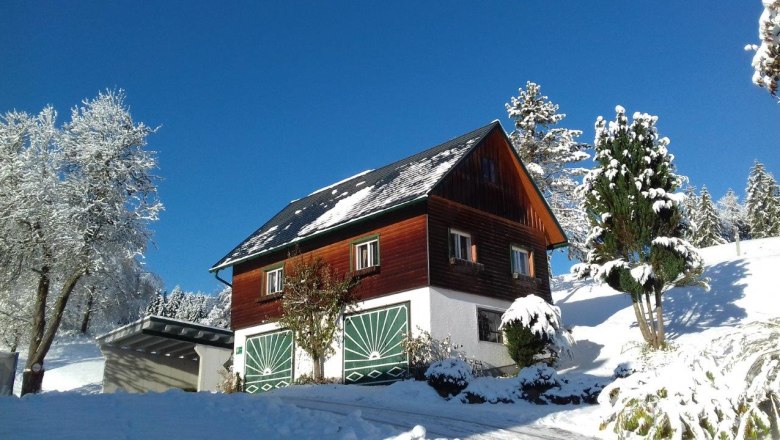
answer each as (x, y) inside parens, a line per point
(603, 326)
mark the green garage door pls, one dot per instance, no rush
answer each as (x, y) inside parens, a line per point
(373, 345)
(269, 361)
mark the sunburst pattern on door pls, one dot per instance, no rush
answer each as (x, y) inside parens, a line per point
(373, 345)
(269, 361)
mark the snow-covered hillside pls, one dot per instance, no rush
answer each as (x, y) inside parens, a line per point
(601, 320)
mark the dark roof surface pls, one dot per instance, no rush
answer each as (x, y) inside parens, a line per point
(357, 197)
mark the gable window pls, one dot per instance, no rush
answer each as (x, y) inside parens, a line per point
(366, 254)
(488, 322)
(521, 261)
(461, 246)
(274, 281)
(489, 170)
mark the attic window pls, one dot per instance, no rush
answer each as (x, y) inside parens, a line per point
(489, 170)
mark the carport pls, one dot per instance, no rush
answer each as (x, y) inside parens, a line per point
(157, 354)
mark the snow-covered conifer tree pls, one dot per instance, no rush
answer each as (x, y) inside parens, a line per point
(636, 243)
(766, 61)
(732, 217)
(548, 153)
(689, 209)
(708, 231)
(762, 203)
(219, 315)
(156, 305)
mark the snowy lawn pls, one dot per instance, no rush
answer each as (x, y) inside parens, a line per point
(602, 324)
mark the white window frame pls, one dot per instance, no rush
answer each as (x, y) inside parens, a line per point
(274, 281)
(456, 247)
(528, 265)
(372, 249)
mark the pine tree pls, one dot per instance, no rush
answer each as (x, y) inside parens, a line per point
(156, 305)
(548, 153)
(762, 203)
(766, 61)
(689, 209)
(708, 232)
(635, 241)
(219, 315)
(732, 217)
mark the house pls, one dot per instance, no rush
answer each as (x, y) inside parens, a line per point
(442, 241)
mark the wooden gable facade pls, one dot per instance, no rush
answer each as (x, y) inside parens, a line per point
(487, 195)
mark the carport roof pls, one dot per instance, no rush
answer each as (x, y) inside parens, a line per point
(166, 337)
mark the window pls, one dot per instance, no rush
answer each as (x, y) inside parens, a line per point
(460, 245)
(274, 281)
(521, 261)
(488, 322)
(489, 170)
(366, 254)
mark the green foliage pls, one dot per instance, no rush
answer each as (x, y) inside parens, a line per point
(522, 344)
(314, 298)
(636, 243)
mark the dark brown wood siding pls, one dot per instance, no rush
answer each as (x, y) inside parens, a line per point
(403, 263)
(492, 236)
(504, 195)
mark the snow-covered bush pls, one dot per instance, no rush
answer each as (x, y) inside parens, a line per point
(624, 369)
(532, 325)
(728, 390)
(538, 384)
(423, 350)
(449, 376)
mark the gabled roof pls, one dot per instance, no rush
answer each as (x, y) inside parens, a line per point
(365, 194)
(375, 191)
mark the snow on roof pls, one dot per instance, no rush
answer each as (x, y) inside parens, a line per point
(357, 197)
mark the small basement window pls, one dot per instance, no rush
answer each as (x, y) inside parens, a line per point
(274, 281)
(521, 261)
(488, 322)
(461, 246)
(366, 254)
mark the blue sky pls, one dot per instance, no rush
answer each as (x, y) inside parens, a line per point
(260, 103)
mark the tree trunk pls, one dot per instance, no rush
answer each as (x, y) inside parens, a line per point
(43, 336)
(641, 318)
(88, 312)
(318, 368)
(659, 311)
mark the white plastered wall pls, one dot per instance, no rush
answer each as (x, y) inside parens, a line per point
(456, 315)
(420, 316)
(441, 312)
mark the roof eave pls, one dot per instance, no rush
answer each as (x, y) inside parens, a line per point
(317, 234)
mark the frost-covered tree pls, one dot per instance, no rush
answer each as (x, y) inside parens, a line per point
(549, 153)
(314, 299)
(157, 305)
(762, 203)
(72, 198)
(532, 325)
(636, 243)
(766, 61)
(219, 315)
(708, 231)
(732, 217)
(689, 208)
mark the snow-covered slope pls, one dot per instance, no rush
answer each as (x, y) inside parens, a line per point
(602, 324)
